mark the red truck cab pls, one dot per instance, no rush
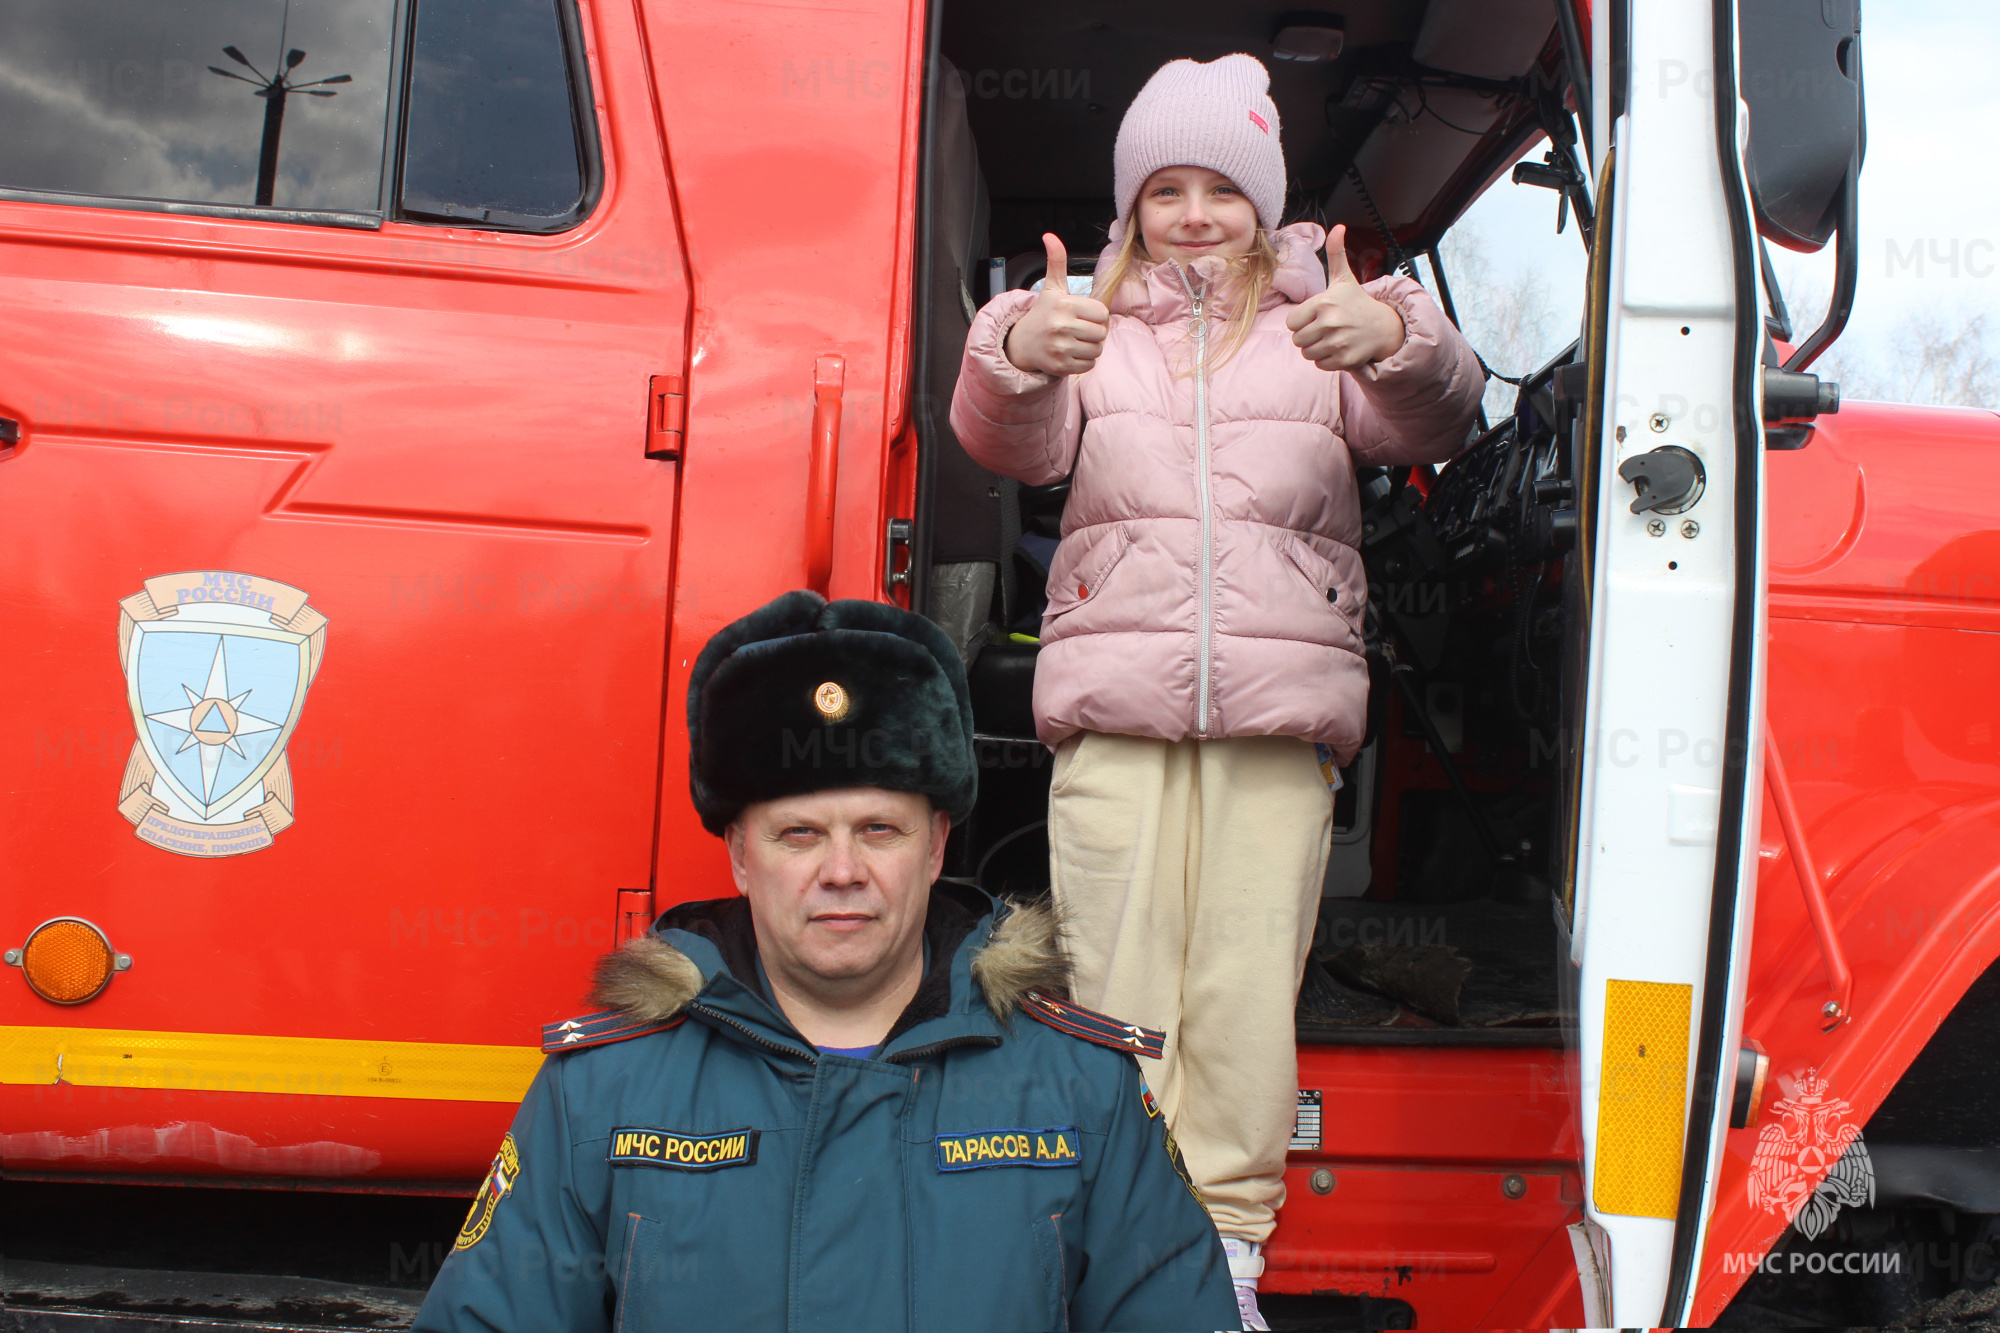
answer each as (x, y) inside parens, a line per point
(399, 396)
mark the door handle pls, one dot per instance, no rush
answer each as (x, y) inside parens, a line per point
(829, 378)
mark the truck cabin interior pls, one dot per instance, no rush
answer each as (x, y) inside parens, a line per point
(1438, 923)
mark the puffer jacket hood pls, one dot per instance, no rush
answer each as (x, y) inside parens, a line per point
(1209, 581)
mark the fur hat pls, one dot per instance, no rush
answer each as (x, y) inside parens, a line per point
(806, 695)
(1217, 115)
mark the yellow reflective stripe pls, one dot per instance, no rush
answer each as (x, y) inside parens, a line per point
(294, 1066)
(1642, 1098)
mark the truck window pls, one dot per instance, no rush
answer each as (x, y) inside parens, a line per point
(150, 103)
(492, 134)
(281, 111)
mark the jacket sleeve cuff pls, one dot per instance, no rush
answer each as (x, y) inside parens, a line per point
(1426, 334)
(1001, 391)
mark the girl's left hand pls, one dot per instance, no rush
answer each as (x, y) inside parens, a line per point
(1344, 327)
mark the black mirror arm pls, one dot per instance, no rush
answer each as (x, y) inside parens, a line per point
(1777, 319)
(1846, 271)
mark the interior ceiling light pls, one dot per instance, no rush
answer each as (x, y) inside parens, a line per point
(1309, 37)
(67, 960)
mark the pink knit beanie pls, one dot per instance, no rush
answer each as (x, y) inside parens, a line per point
(1217, 115)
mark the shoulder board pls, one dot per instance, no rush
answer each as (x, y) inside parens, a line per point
(1089, 1025)
(600, 1029)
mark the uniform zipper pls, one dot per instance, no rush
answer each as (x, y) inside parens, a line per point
(1198, 329)
(925, 1052)
(761, 1040)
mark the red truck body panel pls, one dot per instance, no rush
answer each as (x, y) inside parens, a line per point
(440, 436)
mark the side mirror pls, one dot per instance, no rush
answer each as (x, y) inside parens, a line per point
(1800, 63)
(1799, 71)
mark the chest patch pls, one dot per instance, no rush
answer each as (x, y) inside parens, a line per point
(682, 1152)
(1061, 1146)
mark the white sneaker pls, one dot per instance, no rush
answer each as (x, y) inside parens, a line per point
(1246, 1308)
(1246, 1265)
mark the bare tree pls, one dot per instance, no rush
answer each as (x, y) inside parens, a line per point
(1946, 362)
(1507, 320)
(1933, 359)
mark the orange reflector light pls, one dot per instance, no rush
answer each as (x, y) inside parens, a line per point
(67, 960)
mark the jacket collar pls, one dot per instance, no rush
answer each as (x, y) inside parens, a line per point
(1160, 296)
(701, 958)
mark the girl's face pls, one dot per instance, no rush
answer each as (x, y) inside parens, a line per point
(1187, 212)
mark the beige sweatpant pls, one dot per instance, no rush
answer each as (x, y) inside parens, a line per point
(1190, 874)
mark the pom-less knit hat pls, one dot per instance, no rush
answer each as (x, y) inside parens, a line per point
(1217, 115)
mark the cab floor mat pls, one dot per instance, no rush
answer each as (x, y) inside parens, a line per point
(1503, 954)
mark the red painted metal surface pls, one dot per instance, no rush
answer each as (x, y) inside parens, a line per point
(1421, 1142)
(441, 436)
(1884, 646)
(1839, 1006)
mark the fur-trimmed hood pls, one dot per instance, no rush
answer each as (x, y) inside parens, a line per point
(650, 980)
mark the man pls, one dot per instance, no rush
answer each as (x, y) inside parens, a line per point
(853, 1098)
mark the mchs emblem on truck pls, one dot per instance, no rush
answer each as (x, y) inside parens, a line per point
(217, 666)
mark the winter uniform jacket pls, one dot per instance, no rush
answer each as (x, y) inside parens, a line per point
(1209, 582)
(983, 1171)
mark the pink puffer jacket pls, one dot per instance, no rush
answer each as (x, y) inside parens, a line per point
(1208, 582)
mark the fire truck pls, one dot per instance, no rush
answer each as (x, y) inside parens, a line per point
(398, 395)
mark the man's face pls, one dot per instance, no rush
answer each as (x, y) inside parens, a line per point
(838, 881)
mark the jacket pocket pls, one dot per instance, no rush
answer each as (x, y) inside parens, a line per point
(1055, 1270)
(1319, 574)
(641, 1283)
(1074, 582)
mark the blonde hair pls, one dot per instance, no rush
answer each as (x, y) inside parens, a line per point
(1253, 274)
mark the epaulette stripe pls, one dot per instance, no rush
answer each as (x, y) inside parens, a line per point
(1102, 1029)
(598, 1030)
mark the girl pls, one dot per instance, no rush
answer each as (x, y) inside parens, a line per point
(1203, 631)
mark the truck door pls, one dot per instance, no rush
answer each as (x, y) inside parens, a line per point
(338, 503)
(1666, 784)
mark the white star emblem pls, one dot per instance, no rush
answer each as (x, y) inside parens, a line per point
(213, 721)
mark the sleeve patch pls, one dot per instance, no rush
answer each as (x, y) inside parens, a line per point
(1180, 1164)
(498, 1185)
(1089, 1025)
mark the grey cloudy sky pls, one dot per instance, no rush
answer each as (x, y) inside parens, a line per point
(115, 98)
(1930, 190)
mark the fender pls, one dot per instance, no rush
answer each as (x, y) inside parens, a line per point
(1919, 919)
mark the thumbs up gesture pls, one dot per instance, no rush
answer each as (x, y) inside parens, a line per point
(1344, 327)
(1061, 334)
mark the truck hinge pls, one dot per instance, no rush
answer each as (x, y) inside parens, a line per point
(666, 417)
(635, 913)
(898, 539)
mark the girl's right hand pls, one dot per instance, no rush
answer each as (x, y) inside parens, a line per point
(1061, 334)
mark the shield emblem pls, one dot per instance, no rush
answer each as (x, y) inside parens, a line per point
(217, 665)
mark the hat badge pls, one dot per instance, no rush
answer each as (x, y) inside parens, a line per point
(832, 701)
